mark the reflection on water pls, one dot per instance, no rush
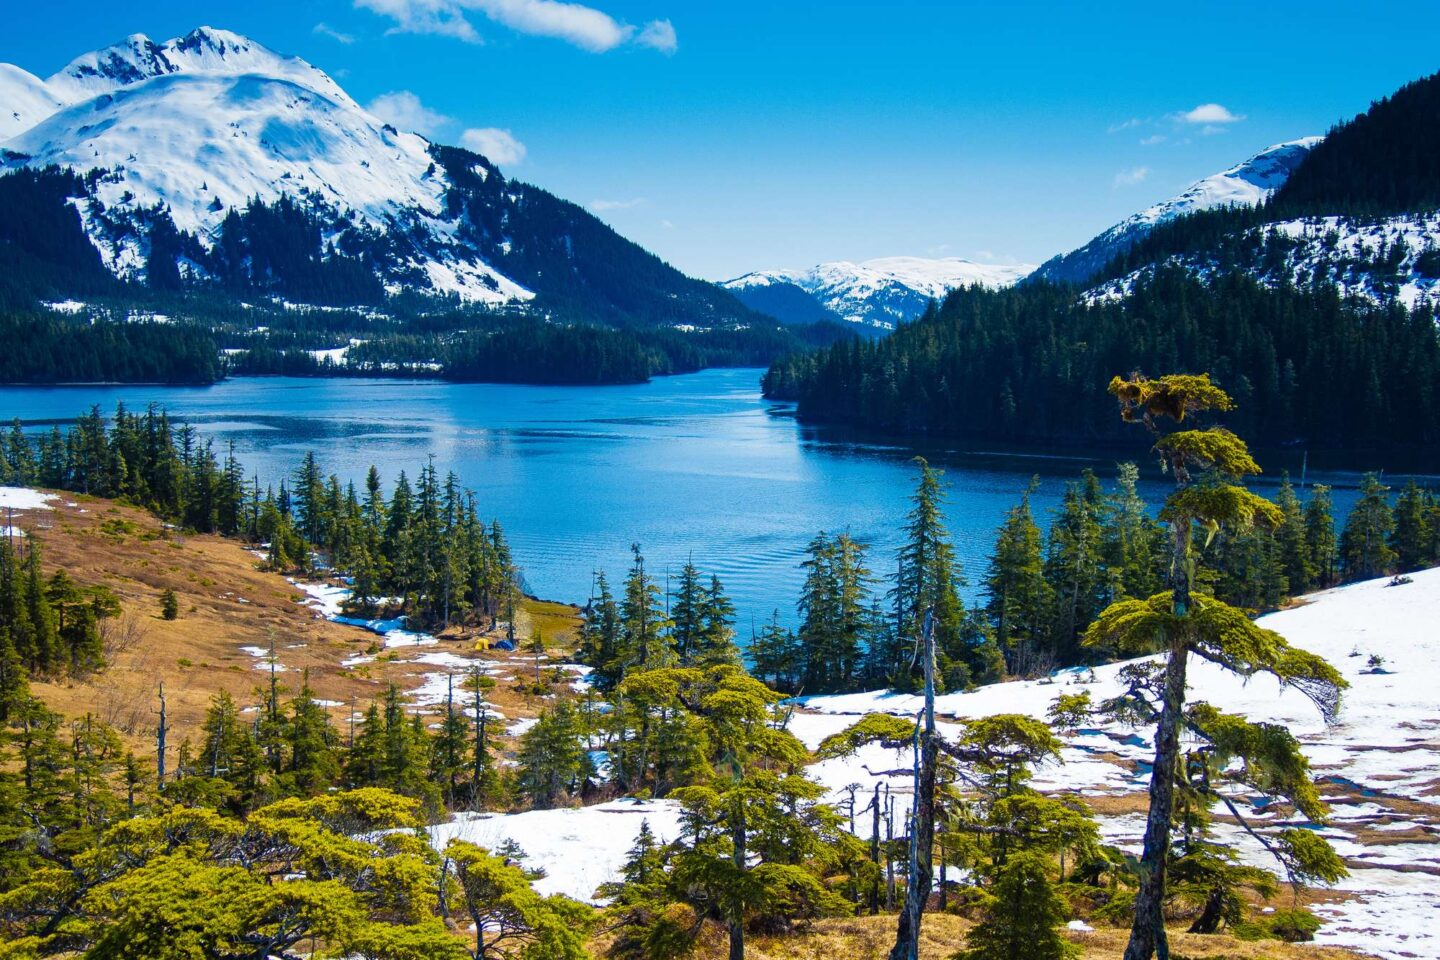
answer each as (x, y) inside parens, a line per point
(694, 466)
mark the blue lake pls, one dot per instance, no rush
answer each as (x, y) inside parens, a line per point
(691, 466)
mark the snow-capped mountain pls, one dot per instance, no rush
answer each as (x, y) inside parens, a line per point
(194, 129)
(874, 293)
(1243, 185)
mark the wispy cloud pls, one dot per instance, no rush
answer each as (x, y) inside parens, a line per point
(1153, 139)
(1209, 114)
(605, 206)
(659, 35)
(585, 27)
(1128, 178)
(498, 146)
(1124, 125)
(404, 111)
(324, 29)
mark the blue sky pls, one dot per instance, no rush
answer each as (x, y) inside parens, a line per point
(745, 134)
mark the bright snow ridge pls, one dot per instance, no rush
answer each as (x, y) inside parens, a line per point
(1246, 184)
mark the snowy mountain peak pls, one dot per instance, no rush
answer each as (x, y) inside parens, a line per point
(205, 50)
(1246, 184)
(202, 124)
(876, 293)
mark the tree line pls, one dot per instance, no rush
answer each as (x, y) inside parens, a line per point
(1042, 588)
(1023, 364)
(422, 551)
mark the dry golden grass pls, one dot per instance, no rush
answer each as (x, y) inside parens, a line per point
(226, 603)
(870, 938)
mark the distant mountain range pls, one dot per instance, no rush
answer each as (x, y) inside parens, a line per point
(874, 294)
(209, 162)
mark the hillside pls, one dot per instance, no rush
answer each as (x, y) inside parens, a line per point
(1030, 363)
(1358, 215)
(230, 612)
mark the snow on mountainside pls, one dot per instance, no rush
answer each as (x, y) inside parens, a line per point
(1385, 259)
(204, 123)
(879, 293)
(25, 100)
(1245, 184)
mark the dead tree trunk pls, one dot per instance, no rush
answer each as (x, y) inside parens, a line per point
(922, 813)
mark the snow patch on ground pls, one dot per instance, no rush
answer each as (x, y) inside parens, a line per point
(579, 849)
(23, 498)
(1379, 760)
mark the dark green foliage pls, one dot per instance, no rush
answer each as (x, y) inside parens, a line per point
(1381, 162)
(1021, 920)
(1029, 363)
(44, 251)
(48, 627)
(43, 348)
(1365, 549)
(169, 606)
(1413, 537)
(1020, 599)
(553, 764)
(835, 617)
(279, 249)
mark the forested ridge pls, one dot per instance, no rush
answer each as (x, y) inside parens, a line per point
(1306, 365)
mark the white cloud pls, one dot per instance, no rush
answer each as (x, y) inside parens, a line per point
(1128, 178)
(404, 111)
(575, 23)
(659, 35)
(1152, 140)
(605, 206)
(1124, 125)
(1210, 113)
(498, 146)
(442, 17)
(324, 29)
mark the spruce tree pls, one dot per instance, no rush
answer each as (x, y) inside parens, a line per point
(1073, 566)
(1321, 546)
(928, 578)
(1182, 622)
(1296, 562)
(1021, 921)
(1019, 597)
(716, 640)
(169, 605)
(1365, 549)
(1410, 539)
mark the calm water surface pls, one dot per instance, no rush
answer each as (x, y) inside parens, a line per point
(693, 466)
